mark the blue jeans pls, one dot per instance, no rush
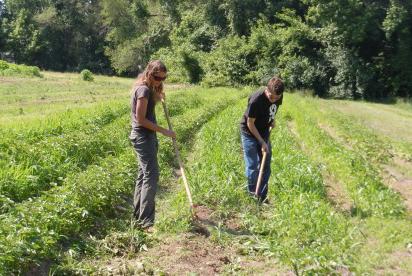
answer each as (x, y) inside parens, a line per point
(252, 152)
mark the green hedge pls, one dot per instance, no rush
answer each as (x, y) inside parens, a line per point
(11, 69)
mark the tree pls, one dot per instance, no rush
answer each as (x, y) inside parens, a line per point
(135, 32)
(397, 53)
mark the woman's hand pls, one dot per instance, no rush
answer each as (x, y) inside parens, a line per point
(160, 96)
(169, 133)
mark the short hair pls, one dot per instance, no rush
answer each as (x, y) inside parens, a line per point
(276, 85)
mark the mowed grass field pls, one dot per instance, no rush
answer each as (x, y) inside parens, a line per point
(340, 190)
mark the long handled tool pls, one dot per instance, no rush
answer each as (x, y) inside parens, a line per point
(262, 165)
(182, 171)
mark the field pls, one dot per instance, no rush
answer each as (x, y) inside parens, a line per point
(340, 190)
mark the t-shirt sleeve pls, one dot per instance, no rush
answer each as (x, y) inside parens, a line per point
(142, 92)
(252, 110)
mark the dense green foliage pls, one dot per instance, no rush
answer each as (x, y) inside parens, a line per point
(344, 49)
(11, 69)
(86, 75)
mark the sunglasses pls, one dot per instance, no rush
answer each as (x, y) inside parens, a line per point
(157, 78)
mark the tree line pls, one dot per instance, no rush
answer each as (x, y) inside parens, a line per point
(337, 48)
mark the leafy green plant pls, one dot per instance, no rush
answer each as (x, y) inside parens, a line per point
(86, 75)
(33, 169)
(370, 196)
(42, 224)
(301, 228)
(11, 69)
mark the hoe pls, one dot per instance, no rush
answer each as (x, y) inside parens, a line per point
(260, 174)
(262, 165)
(179, 160)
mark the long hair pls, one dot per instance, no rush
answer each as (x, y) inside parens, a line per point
(153, 67)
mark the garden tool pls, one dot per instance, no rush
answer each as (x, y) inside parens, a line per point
(262, 165)
(179, 160)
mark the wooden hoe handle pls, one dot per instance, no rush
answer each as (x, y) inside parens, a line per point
(262, 165)
(179, 160)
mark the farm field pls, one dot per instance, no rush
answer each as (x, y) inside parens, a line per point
(340, 190)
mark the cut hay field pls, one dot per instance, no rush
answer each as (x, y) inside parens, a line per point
(340, 191)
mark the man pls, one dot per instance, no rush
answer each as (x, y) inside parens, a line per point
(255, 126)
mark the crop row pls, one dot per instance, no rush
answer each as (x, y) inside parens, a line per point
(350, 166)
(34, 230)
(33, 168)
(300, 227)
(71, 120)
(38, 167)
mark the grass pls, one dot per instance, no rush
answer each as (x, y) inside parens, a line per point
(55, 93)
(302, 230)
(355, 154)
(369, 195)
(389, 123)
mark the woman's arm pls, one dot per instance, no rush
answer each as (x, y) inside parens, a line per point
(141, 108)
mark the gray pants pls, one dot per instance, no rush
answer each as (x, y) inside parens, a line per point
(146, 146)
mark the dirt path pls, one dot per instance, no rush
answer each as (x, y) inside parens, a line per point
(200, 251)
(399, 182)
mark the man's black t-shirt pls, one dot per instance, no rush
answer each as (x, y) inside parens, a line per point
(260, 108)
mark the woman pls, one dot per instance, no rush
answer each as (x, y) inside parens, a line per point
(147, 91)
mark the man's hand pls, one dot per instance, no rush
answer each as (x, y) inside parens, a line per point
(265, 147)
(272, 125)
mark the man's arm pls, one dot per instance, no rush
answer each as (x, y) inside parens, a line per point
(255, 132)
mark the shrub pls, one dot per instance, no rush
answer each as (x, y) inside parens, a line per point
(86, 75)
(182, 62)
(11, 69)
(3, 65)
(230, 63)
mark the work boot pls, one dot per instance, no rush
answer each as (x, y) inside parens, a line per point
(149, 230)
(265, 201)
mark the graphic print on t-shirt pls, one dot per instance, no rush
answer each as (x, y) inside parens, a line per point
(272, 112)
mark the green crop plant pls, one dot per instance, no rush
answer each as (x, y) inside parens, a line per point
(369, 195)
(33, 230)
(302, 229)
(21, 70)
(372, 145)
(38, 167)
(13, 136)
(42, 224)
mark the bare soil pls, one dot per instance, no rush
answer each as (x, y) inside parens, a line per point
(399, 183)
